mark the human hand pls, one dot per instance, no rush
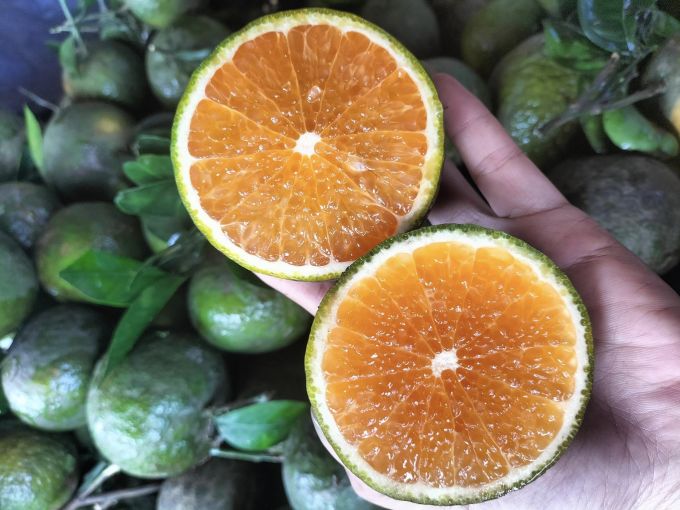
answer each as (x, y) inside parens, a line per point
(627, 453)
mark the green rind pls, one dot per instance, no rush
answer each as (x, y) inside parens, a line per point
(434, 167)
(547, 265)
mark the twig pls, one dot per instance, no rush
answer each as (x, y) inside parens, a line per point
(250, 457)
(107, 497)
(75, 33)
(38, 100)
(92, 486)
(259, 398)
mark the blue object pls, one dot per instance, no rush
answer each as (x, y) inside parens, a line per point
(25, 58)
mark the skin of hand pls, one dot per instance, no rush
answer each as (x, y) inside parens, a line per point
(627, 452)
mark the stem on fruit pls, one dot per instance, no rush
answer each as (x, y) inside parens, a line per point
(73, 28)
(247, 456)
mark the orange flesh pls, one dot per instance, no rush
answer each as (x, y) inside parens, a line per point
(364, 174)
(471, 418)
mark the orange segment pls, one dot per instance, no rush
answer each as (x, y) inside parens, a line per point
(362, 116)
(450, 364)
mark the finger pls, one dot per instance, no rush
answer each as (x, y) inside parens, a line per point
(458, 201)
(510, 182)
(306, 294)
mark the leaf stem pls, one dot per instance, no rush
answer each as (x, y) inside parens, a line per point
(250, 457)
(38, 100)
(256, 399)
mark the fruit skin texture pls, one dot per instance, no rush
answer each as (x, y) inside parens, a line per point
(453, 15)
(25, 209)
(531, 90)
(635, 198)
(147, 414)
(11, 145)
(312, 479)
(76, 229)
(38, 471)
(497, 28)
(233, 311)
(111, 71)
(85, 145)
(160, 13)
(47, 371)
(324, 310)
(167, 72)
(218, 484)
(18, 285)
(665, 67)
(411, 22)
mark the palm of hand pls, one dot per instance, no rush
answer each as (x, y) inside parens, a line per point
(627, 453)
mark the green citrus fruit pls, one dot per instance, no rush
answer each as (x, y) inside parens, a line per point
(533, 89)
(111, 71)
(38, 471)
(665, 67)
(76, 229)
(148, 413)
(11, 145)
(453, 15)
(160, 13)
(496, 29)
(312, 478)
(411, 22)
(636, 198)
(25, 209)
(85, 145)
(18, 285)
(4, 405)
(413, 373)
(175, 52)
(47, 371)
(216, 485)
(235, 312)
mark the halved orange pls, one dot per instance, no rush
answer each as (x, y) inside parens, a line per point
(306, 139)
(450, 365)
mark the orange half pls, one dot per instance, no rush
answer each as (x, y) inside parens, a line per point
(305, 140)
(450, 365)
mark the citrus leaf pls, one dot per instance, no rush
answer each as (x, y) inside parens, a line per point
(137, 318)
(149, 168)
(68, 58)
(34, 137)
(567, 45)
(155, 199)
(613, 24)
(594, 131)
(259, 426)
(109, 279)
(629, 130)
(151, 144)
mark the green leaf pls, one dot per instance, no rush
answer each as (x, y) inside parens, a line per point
(138, 317)
(613, 24)
(594, 131)
(149, 168)
(68, 56)
(151, 144)
(110, 279)
(629, 130)
(665, 25)
(34, 137)
(259, 426)
(155, 199)
(567, 45)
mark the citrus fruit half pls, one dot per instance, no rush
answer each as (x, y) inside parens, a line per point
(450, 365)
(306, 139)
